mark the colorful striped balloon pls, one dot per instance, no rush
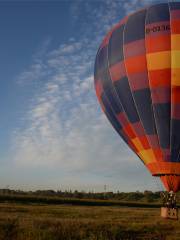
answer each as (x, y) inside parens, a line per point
(137, 82)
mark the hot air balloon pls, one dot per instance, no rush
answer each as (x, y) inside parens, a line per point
(137, 82)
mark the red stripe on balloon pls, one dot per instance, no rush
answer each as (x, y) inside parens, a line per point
(154, 141)
(175, 111)
(122, 119)
(175, 26)
(138, 81)
(144, 141)
(160, 78)
(160, 95)
(138, 128)
(99, 88)
(158, 154)
(134, 48)
(175, 14)
(117, 71)
(129, 131)
(175, 95)
(158, 43)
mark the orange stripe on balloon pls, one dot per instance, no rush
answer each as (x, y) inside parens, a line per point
(136, 64)
(161, 168)
(171, 183)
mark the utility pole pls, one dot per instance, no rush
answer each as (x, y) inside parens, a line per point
(105, 188)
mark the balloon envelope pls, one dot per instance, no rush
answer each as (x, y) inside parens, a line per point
(137, 82)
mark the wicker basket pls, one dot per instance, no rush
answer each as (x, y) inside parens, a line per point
(170, 213)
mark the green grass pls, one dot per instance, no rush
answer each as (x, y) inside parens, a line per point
(67, 222)
(23, 199)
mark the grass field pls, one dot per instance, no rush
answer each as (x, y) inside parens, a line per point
(59, 222)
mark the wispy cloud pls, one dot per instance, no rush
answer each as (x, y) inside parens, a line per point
(133, 5)
(65, 128)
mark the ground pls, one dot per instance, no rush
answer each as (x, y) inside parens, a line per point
(58, 222)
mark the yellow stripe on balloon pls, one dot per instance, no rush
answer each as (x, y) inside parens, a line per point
(175, 59)
(175, 40)
(147, 156)
(159, 60)
(138, 144)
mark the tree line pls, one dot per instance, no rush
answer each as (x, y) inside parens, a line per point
(147, 196)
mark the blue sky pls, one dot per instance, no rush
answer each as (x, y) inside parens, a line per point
(52, 132)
